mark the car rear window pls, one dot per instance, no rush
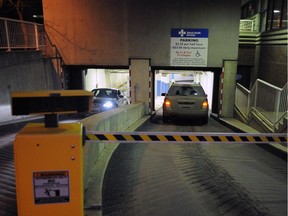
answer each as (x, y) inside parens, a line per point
(186, 91)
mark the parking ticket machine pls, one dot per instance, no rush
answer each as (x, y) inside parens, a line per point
(48, 155)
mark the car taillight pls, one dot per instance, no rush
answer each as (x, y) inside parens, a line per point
(204, 104)
(167, 103)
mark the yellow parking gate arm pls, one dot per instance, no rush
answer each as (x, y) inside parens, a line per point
(184, 137)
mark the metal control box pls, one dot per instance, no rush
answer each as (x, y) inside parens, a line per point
(49, 170)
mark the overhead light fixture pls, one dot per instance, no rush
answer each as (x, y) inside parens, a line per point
(37, 16)
(276, 11)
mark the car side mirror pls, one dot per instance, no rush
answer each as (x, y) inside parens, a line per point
(121, 96)
(163, 94)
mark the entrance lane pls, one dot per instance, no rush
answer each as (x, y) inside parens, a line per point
(194, 179)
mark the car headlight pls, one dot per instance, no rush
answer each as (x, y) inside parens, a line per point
(108, 104)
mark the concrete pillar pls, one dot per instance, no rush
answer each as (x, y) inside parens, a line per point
(90, 79)
(140, 77)
(229, 85)
(108, 79)
(101, 79)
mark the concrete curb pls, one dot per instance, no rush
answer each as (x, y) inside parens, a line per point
(93, 195)
(275, 148)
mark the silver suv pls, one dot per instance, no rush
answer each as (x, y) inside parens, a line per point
(185, 100)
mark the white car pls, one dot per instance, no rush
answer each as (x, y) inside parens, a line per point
(108, 98)
(185, 100)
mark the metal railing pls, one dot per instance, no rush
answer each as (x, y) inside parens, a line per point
(22, 35)
(53, 53)
(269, 100)
(16, 34)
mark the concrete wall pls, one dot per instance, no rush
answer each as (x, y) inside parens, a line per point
(229, 86)
(272, 66)
(98, 32)
(246, 55)
(95, 78)
(266, 53)
(24, 70)
(119, 119)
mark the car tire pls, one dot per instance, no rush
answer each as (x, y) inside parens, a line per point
(205, 120)
(165, 119)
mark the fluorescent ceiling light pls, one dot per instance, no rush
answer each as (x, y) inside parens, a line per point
(37, 16)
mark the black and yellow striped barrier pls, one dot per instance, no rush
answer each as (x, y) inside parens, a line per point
(184, 137)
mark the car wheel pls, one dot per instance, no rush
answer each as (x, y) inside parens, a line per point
(165, 119)
(205, 120)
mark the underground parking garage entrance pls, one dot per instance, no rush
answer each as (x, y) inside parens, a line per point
(158, 81)
(209, 79)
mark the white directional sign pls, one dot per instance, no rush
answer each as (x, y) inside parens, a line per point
(189, 47)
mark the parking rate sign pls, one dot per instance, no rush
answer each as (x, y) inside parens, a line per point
(189, 47)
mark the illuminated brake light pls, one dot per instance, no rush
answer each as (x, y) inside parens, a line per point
(204, 104)
(167, 103)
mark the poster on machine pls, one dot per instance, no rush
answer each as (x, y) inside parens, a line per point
(51, 187)
(189, 47)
